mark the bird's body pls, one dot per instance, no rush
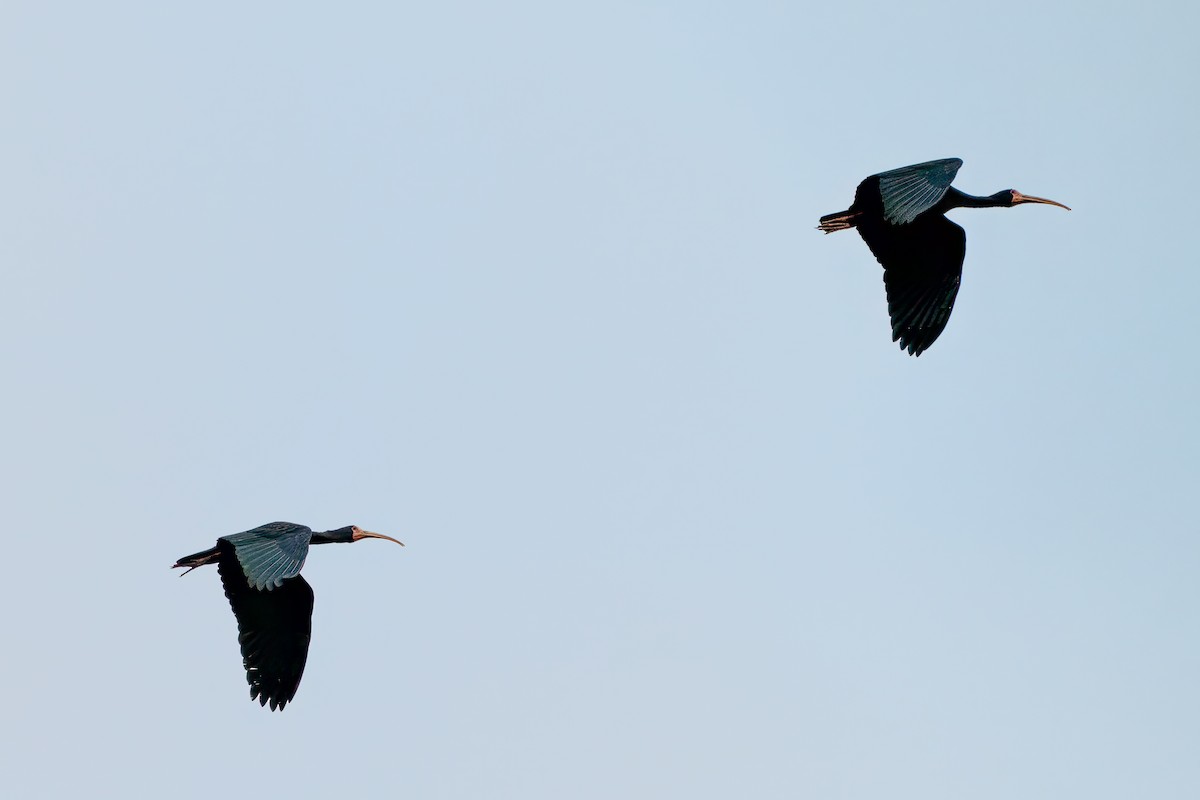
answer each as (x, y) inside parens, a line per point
(260, 570)
(900, 215)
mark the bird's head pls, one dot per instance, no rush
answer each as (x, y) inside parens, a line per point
(1012, 197)
(350, 533)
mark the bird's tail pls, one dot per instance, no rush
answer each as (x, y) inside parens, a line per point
(208, 556)
(838, 222)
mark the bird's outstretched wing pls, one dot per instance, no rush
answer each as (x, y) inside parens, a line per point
(922, 267)
(271, 553)
(910, 191)
(274, 629)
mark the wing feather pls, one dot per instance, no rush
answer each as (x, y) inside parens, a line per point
(922, 268)
(910, 191)
(274, 629)
(271, 553)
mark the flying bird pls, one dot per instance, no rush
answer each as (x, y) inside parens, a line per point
(900, 215)
(260, 570)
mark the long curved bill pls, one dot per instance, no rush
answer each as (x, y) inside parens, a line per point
(361, 534)
(1028, 198)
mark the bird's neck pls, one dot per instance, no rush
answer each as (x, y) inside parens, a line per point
(957, 199)
(327, 537)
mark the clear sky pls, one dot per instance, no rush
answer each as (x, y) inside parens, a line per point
(535, 287)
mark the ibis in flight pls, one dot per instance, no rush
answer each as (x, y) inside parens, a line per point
(900, 214)
(260, 570)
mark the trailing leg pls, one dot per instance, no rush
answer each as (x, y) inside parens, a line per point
(842, 220)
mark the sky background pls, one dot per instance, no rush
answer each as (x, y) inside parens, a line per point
(535, 288)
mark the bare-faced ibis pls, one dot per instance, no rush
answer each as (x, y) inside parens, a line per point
(900, 215)
(260, 569)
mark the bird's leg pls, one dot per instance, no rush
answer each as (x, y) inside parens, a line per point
(840, 221)
(208, 556)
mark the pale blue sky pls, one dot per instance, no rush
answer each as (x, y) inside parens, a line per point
(535, 287)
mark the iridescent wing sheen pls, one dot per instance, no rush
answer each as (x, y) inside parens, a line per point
(271, 553)
(910, 191)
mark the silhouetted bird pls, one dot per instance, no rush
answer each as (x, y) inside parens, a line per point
(260, 570)
(899, 214)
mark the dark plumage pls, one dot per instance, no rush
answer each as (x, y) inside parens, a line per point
(260, 570)
(900, 215)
